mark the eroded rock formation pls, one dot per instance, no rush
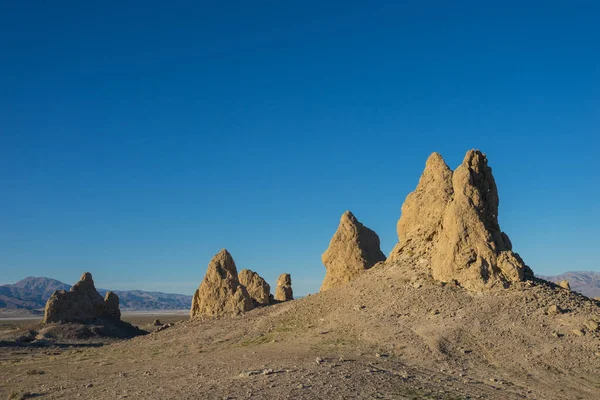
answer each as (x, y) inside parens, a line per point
(283, 291)
(353, 249)
(220, 292)
(258, 289)
(82, 303)
(450, 224)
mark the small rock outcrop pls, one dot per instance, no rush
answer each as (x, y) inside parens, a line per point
(353, 249)
(220, 293)
(450, 224)
(284, 292)
(258, 289)
(82, 303)
(564, 284)
(111, 300)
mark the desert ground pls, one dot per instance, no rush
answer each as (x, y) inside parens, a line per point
(389, 334)
(141, 319)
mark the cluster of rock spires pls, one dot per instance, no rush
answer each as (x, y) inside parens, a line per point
(448, 228)
(450, 222)
(224, 292)
(82, 304)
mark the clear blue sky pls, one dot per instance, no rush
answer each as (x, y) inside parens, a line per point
(137, 139)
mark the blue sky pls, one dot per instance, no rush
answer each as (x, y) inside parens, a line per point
(137, 139)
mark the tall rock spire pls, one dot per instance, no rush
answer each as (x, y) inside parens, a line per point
(220, 292)
(353, 249)
(450, 222)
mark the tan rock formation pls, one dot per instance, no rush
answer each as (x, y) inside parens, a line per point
(258, 289)
(283, 291)
(564, 284)
(82, 303)
(220, 292)
(111, 300)
(353, 249)
(450, 224)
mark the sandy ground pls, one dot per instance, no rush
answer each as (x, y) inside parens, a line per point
(142, 319)
(389, 334)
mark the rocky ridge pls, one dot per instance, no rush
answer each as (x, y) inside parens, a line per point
(584, 282)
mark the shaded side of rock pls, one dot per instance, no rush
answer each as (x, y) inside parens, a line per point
(353, 249)
(258, 289)
(220, 292)
(450, 224)
(283, 291)
(82, 303)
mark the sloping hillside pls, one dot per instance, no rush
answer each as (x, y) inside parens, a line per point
(389, 334)
(584, 282)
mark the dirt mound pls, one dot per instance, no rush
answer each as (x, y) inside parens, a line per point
(258, 289)
(220, 292)
(283, 291)
(353, 249)
(449, 226)
(82, 303)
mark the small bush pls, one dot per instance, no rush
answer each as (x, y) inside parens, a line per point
(35, 372)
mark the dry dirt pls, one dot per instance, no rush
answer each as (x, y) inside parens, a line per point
(389, 334)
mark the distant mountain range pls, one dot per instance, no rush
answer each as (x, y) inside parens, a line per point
(584, 282)
(32, 293)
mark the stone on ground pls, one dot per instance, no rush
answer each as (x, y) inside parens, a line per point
(565, 284)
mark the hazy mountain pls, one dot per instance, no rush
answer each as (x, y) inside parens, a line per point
(140, 300)
(32, 293)
(584, 282)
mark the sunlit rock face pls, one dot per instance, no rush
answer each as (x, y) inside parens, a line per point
(450, 225)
